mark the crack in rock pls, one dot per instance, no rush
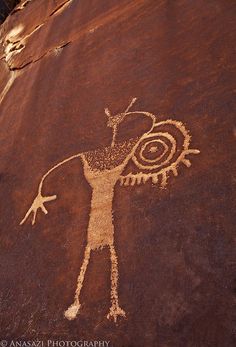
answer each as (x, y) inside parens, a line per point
(13, 75)
(21, 6)
(13, 44)
(61, 8)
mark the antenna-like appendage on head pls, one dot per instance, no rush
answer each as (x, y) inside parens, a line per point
(131, 104)
(118, 118)
(108, 113)
(114, 121)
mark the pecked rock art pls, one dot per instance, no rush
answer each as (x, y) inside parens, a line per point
(155, 155)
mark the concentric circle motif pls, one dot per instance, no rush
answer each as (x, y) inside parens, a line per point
(155, 150)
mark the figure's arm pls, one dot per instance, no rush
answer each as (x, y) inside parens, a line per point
(39, 201)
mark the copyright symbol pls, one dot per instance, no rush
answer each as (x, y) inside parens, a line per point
(3, 343)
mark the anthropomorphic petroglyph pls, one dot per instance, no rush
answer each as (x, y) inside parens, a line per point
(155, 154)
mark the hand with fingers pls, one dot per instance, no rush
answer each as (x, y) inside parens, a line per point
(38, 202)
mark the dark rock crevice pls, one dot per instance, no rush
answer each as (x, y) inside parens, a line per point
(6, 7)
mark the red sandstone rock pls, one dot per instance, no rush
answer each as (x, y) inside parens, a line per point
(62, 64)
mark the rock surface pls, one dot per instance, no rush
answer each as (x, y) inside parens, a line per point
(63, 62)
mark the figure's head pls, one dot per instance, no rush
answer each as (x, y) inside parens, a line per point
(114, 121)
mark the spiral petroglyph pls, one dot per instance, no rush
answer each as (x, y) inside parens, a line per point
(159, 153)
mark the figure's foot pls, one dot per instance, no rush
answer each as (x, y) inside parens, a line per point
(72, 311)
(115, 311)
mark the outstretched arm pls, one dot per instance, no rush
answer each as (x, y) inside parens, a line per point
(40, 200)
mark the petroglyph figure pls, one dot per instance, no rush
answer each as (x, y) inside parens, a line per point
(155, 154)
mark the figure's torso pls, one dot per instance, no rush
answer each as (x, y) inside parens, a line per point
(102, 169)
(108, 158)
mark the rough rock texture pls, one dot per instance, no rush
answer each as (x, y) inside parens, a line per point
(63, 62)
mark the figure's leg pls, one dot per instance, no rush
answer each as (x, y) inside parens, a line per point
(73, 310)
(115, 309)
